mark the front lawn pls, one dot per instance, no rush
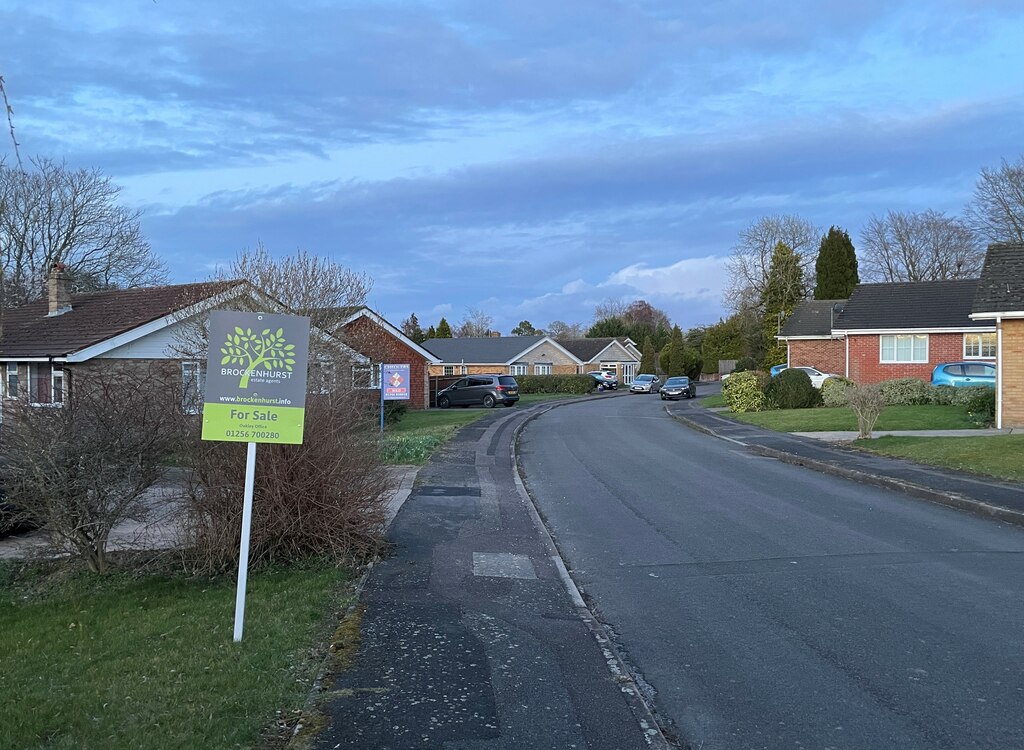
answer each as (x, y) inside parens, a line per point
(128, 661)
(715, 399)
(995, 455)
(420, 432)
(840, 418)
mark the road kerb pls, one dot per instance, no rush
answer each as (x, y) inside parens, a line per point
(949, 499)
(638, 704)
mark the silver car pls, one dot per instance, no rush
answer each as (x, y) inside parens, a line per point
(645, 384)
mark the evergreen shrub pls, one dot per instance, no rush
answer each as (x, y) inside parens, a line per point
(792, 389)
(742, 392)
(834, 391)
(905, 392)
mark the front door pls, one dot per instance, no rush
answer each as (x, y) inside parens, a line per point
(628, 372)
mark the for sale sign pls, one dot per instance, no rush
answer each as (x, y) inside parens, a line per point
(394, 382)
(256, 377)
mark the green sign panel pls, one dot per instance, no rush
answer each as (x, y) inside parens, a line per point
(256, 377)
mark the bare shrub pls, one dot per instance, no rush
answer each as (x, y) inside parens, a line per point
(867, 403)
(81, 468)
(323, 498)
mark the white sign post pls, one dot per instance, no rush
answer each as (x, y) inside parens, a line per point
(255, 393)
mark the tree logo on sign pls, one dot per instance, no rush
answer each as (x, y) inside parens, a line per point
(251, 350)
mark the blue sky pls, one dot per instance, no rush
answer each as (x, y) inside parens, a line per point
(530, 159)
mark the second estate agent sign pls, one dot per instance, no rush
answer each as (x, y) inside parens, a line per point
(256, 377)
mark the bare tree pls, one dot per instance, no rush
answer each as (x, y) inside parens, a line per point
(610, 308)
(996, 212)
(559, 329)
(54, 214)
(476, 323)
(307, 284)
(751, 257)
(82, 468)
(926, 246)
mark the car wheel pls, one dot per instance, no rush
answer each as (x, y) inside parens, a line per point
(662, 396)
(443, 402)
(488, 401)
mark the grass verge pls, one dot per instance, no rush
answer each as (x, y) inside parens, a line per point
(994, 455)
(419, 433)
(129, 661)
(716, 399)
(835, 419)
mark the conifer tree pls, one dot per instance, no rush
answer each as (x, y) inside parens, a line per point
(431, 333)
(836, 267)
(677, 356)
(648, 361)
(444, 331)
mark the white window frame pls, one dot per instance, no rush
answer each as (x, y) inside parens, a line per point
(195, 377)
(11, 370)
(629, 372)
(542, 368)
(374, 372)
(448, 370)
(53, 378)
(518, 369)
(896, 347)
(981, 345)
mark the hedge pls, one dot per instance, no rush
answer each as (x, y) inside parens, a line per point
(579, 384)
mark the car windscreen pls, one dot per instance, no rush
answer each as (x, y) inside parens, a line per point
(507, 380)
(677, 381)
(644, 378)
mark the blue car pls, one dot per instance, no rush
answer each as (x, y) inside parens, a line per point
(962, 374)
(776, 369)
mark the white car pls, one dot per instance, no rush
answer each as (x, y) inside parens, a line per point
(817, 376)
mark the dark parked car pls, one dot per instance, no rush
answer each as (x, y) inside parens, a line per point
(605, 380)
(480, 390)
(963, 374)
(645, 384)
(678, 387)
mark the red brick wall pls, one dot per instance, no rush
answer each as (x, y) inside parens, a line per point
(368, 338)
(827, 355)
(866, 353)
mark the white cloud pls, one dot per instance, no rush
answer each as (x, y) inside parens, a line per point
(689, 278)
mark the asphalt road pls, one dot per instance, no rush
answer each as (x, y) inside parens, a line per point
(771, 606)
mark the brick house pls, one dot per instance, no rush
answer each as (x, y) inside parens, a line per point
(903, 330)
(617, 355)
(512, 355)
(809, 339)
(373, 336)
(46, 345)
(999, 301)
(891, 330)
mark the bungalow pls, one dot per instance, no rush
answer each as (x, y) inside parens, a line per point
(47, 344)
(374, 337)
(809, 339)
(515, 355)
(618, 355)
(901, 330)
(892, 330)
(999, 302)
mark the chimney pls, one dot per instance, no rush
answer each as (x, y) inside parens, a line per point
(58, 290)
